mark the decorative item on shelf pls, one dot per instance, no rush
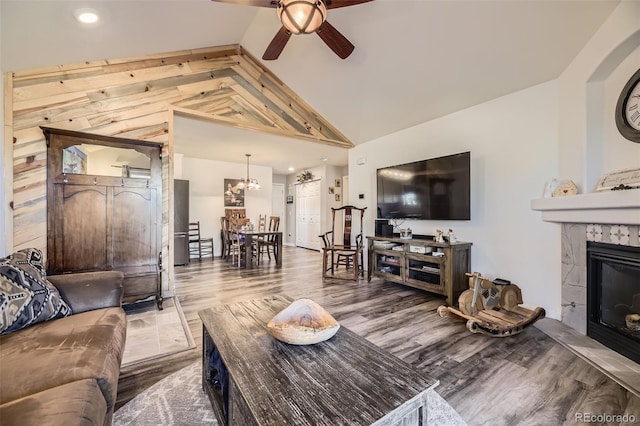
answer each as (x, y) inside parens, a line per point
(248, 183)
(397, 223)
(439, 237)
(621, 179)
(549, 187)
(406, 234)
(303, 322)
(451, 237)
(564, 188)
(305, 176)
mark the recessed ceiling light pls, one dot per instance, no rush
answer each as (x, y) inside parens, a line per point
(86, 16)
(291, 168)
(324, 159)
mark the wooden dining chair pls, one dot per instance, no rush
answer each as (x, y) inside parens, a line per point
(198, 246)
(262, 223)
(224, 237)
(341, 245)
(268, 244)
(236, 240)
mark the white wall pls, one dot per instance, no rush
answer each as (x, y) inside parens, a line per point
(590, 144)
(206, 192)
(514, 143)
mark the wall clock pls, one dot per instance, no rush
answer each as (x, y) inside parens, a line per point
(628, 109)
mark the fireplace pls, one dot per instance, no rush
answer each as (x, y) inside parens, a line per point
(613, 297)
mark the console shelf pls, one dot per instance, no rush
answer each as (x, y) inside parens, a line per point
(411, 263)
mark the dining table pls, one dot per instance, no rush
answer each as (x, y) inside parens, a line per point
(250, 236)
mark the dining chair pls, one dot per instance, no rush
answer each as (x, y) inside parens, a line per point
(262, 223)
(198, 246)
(224, 237)
(268, 244)
(344, 249)
(236, 240)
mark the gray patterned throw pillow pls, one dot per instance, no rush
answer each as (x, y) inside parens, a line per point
(26, 297)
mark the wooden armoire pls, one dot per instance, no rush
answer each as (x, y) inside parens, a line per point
(110, 219)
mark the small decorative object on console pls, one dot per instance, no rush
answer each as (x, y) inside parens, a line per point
(303, 322)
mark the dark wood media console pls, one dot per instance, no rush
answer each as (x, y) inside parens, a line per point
(253, 379)
(414, 263)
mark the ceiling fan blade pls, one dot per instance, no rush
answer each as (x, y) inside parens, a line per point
(333, 4)
(335, 40)
(277, 44)
(260, 3)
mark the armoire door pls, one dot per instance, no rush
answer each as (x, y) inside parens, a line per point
(134, 228)
(81, 229)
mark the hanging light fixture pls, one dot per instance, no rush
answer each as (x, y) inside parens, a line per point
(248, 183)
(302, 16)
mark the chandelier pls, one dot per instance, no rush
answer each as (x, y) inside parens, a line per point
(302, 16)
(248, 183)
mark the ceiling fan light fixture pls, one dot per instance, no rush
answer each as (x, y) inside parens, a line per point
(302, 16)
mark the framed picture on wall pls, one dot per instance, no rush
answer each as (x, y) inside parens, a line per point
(233, 196)
(337, 183)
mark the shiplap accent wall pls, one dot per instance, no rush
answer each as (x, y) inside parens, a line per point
(136, 98)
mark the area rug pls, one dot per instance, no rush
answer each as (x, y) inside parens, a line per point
(154, 333)
(178, 399)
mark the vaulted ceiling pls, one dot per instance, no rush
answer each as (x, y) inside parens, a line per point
(414, 60)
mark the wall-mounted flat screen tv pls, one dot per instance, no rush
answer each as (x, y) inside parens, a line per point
(433, 189)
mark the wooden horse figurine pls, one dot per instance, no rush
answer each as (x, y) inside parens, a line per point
(492, 308)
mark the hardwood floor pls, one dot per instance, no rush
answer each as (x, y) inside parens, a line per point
(526, 379)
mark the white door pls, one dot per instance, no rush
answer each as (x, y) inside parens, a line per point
(277, 205)
(308, 215)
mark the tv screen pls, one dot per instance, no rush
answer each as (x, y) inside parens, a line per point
(434, 189)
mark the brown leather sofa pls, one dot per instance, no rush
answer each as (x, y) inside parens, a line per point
(65, 371)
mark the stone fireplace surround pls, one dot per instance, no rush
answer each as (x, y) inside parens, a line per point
(610, 217)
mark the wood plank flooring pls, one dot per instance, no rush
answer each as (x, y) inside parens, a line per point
(526, 379)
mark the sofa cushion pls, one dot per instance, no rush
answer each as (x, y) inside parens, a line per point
(77, 403)
(53, 353)
(26, 297)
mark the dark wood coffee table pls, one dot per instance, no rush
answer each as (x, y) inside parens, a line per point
(253, 379)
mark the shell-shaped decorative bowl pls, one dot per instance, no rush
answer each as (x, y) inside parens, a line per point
(303, 322)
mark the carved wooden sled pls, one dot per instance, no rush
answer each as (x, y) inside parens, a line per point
(492, 308)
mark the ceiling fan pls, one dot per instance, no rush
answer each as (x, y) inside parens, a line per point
(304, 17)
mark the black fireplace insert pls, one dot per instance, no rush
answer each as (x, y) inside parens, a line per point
(613, 297)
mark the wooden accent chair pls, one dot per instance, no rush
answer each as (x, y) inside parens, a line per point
(199, 247)
(268, 244)
(346, 248)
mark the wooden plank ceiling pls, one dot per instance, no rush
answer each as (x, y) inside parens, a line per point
(135, 98)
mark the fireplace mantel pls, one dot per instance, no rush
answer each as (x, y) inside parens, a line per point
(611, 207)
